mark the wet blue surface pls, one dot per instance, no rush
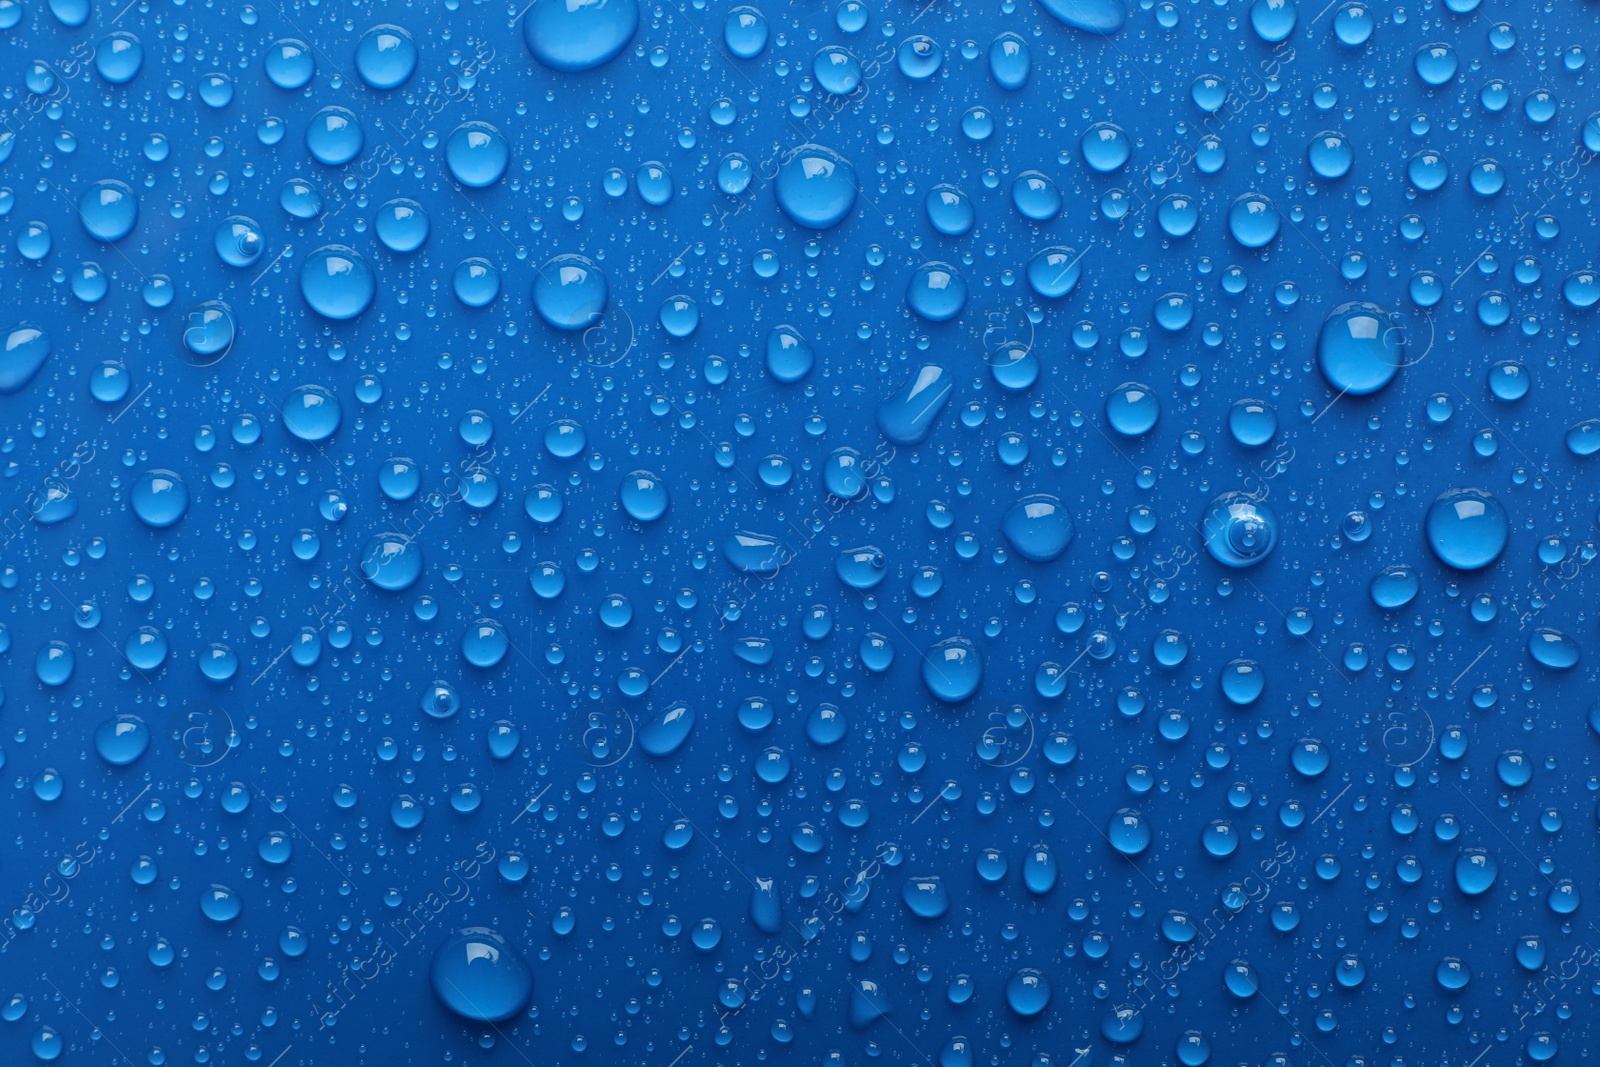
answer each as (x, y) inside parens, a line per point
(1032, 533)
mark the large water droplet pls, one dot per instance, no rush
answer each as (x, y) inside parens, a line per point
(484, 643)
(386, 56)
(1038, 528)
(644, 496)
(573, 35)
(1476, 870)
(334, 136)
(1028, 992)
(119, 57)
(908, 415)
(754, 553)
(289, 64)
(337, 283)
(816, 186)
(1358, 351)
(160, 498)
(220, 904)
(937, 292)
(790, 356)
(109, 210)
(122, 740)
(26, 348)
(1095, 16)
(1554, 649)
(391, 561)
(1394, 587)
(746, 32)
(476, 153)
(1467, 528)
(952, 669)
(570, 292)
(1105, 147)
(478, 975)
(1239, 530)
(1054, 272)
(311, 413)
(666, 731)
(926, 896)
(861, 568)
(1253, 221)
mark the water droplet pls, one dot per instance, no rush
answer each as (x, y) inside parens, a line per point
(477, 974)
(25, 351)
(119, 57)
(1358, 351)
(789, 356)
(122, 740)
(334, 136)
(1028, 992)
(1253, 221)
(1054, 272)
(745, 32)
(952, 670)
(816, 187)
(1095, 16)
(908, 415)
(484, 643)
(1554, 649)
(1273, 20)
(391, 561)
(937, 292)
(1239, 530)
(386, 56)
(1038, 528)
(311, 413)
(109, 210)
(1132, 409)
(289, 64)
(666, 731)
(1467, 528)
(574, 35)
(1475, 871)
(160, 498)
(402, 225)
(220, 904)
(644, 496)
(337, 283)
(570, 292)
(926, 896)
(476, 153)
